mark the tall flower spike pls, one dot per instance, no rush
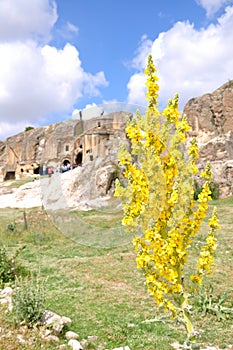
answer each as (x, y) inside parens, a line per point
(152, 84)
(158, 203)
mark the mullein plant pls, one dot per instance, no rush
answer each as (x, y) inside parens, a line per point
(158, 202)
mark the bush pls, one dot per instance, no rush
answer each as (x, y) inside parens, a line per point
(12, 227)
(214, 188)
(197, 190)
(28, 128)
(9, 267)
(29, 300)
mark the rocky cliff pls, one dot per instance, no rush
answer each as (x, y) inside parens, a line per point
(93, 143)
(72, 142)
(211, 119)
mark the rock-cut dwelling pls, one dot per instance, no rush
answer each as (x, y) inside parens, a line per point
(69, 142)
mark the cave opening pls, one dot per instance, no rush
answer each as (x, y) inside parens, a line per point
(79, 158)
(36, 171)
(10, 175)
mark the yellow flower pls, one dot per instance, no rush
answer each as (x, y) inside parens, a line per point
(196, 279)
(158, 203)
(207, 174)
(213, 222)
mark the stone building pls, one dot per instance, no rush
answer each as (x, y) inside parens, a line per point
(70, 142)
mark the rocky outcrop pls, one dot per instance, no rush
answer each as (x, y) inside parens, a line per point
(70, 142)
(78, 142)
(26, 152)
(211, 119)
(85, 187)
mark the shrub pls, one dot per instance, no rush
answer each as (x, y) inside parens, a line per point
(27, 128)
(12, 227)
(214, 188)
(197, 190)
(9, 266)
(28, 300)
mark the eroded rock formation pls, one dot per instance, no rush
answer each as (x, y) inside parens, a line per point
(82, 141)
(211, 119)
(69, 142)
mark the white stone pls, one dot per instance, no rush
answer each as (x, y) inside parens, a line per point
(21, 339)
(57, 322)
(51, 338)
(6, 291)
(71, 335)
(84, 343)
(92, 338)
(66, 321)
(75, 344)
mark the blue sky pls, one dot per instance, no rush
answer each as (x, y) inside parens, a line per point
(60, 56)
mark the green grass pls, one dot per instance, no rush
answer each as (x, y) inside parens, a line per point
(20, 182)
(92, 278)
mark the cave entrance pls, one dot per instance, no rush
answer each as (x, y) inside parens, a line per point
(10, 175)
(65, 165)
(66, 162)
(79, 158)
(36, 171)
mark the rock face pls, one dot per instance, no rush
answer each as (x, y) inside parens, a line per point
(83, 188)
(79, 142)
(211, 119)
(70, 142)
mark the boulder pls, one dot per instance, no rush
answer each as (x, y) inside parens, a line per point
(54, 321)
(75, 344)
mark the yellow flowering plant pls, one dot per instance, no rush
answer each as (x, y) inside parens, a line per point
(158, 203)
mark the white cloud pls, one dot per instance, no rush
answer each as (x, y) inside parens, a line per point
(37, 79)
(90, 111)
(142, 52)
(137, 89)
(190, 61)
(67, 31)
(11, 129)
(23, 19)
(72, 28)
(212, 6)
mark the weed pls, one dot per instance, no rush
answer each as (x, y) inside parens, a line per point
(9, 266)
(28, 300)
(12, 227)
(208, 303)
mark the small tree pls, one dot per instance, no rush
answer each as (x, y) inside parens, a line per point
(158, 204)
(28, 128)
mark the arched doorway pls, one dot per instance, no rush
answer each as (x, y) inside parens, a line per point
(66, 162)
(65, 165)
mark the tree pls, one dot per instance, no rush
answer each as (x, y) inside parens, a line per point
(158, 203)
(27, 128)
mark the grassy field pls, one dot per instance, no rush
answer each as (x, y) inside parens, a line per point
(91, 277)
